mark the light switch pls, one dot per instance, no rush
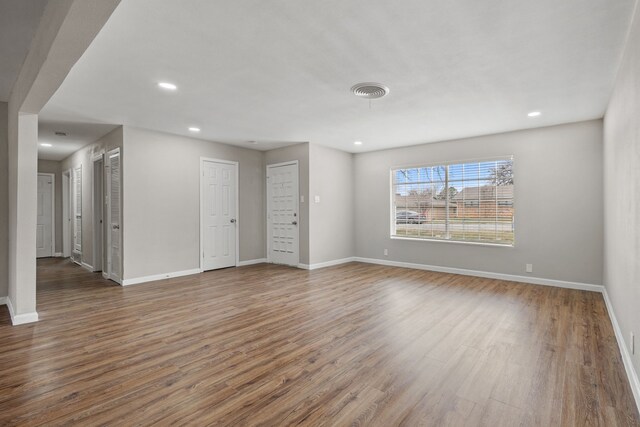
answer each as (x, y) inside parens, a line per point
(301, 199)
(317, 199)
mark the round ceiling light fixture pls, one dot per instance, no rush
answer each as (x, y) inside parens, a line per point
(194, 129)
(370, 90)
(534, 114)
(46, 144)
(357, 142)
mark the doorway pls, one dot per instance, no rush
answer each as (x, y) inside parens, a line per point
(282, 214)
(218, 214)
(98, 211)
(45, 225)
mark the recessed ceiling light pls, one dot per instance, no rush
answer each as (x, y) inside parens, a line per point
(358, 142)
(534, 114)
(60, 133)
(168, 86)
(45, 144)
(194, 129)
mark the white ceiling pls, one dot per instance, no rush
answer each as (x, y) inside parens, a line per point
(19, 20)
(78, 135)
(281, 70)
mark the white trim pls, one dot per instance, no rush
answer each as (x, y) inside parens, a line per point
(487, 274)
(58, 255)
(153, 278)
(632, 375)
(86, 266)
(237, 169)
(252, 262)
(326, 263)
(3, 300)
(277, 165)
(20, 319)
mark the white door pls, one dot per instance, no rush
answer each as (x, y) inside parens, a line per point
(66, 213)
(218, 214)
(114, 216)
(44, 227)
(77, 210)
(98, 212)
(282, 214)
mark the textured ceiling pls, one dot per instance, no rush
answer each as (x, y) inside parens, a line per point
(280, 71)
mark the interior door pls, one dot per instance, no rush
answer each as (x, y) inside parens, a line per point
(282, 214)
(44, 227)
(98, 213)
(114, 213)
(77, 210)
(219, 221)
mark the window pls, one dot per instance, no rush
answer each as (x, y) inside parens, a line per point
(464, 202)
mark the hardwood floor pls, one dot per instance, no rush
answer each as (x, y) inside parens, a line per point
(355, 344)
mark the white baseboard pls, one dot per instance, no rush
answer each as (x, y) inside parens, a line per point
(3, 300)
(252, 262)
(487, 274)
(58, 255)
(326, 263)
(634, 382)
(20, 319)
(87, 266)
(137, 280)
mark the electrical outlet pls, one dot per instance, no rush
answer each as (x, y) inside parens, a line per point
(529, 268)
(386, 252)
(317, 199)
(633, 344)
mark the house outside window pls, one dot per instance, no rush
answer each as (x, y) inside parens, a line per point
(464, 202)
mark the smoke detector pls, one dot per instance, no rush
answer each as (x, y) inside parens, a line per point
(370, 90)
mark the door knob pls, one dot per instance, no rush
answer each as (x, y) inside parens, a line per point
(295, 223)
(116, 227)
(233, 220)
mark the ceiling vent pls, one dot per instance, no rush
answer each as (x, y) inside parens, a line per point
(370, 90)
(59, 133)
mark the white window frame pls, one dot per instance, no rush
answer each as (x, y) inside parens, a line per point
(392, 209)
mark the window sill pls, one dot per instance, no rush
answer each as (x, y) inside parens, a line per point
(458, 242)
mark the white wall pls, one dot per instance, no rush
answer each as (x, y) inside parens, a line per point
(66, 29)
(299, 152)
(331, 222)
(50, 166)
(4, 200)
(113, 139)
(558, 202)
(162, 201)
(622, 193)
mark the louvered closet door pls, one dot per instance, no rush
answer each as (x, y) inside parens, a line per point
(114, 253)
(77, 209)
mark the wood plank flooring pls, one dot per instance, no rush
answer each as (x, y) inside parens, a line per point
(355, 344)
